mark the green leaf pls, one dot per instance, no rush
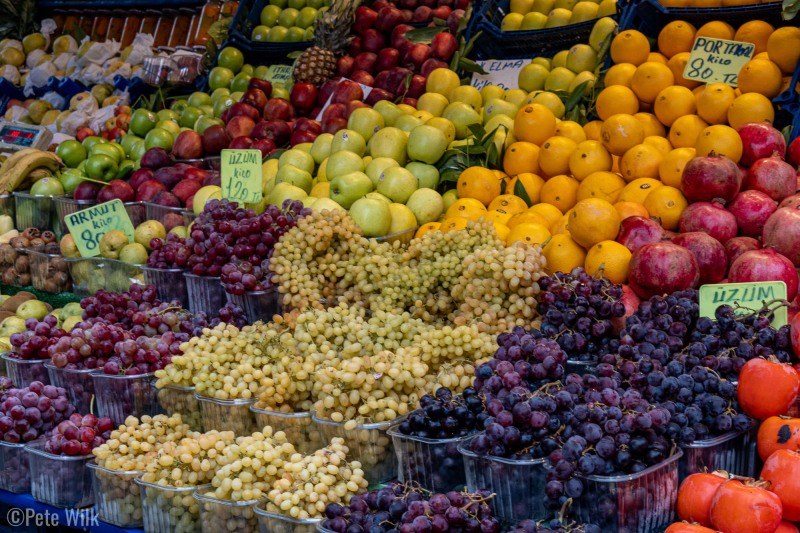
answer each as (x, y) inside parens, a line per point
(519, 190)
(790, 9)
(787, 133)
(576, 96)
(477, 130)
(423, 35)
(449, 175)
(440, 23)
(469, 45)
(473, 149)
(492, 156)
(295, 54)
(455, 60)
(471, 66)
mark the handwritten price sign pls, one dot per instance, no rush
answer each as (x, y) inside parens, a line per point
(88, 226)
(717, 60)
(503, 73)
(744, 298)
(240, 175)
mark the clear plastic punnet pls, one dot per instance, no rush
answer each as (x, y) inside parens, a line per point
(227, 415)
(116, 496)
(60, 480)
(436, 464)
(169, 509)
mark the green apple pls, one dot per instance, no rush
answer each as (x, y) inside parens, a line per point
(403, 218)
(296, 176)
(285, 191)
(240, 82)
(205, 122)
(376, 167)
(461, 115)
(260, 34)
(426, 204)
(128, 141)
(446, 126)
(248, 69)
(279, 91)
(71, 152)
(426, 144)
(373, 216)
(305, 147)
(389, 142)
(349, 140)
(348, 188)
(342, 163)
(449, 198)
(159, 137)
(496, 106)
(101, 167)
(126, 168)
(280, 3)
(321, 147)
(168, 114)
(288, 17)
(220, 77)
(433, 103)
(407, 123)
(378, 196)
(198, 98)
(298, 158)
(321, 204)
(179, 105)
(389, 111)
(306, 17)
(203, 195)
(366, 121)
(70, 179)
(295, 34)
(277, 34)
(142, 121)
(317, 4)
(309, 34)
(47, 187)
(207, 110)
(189, 116)
(138, 148)
(269, 15)
(133, 253)
(237, 95)
(221, 105)
(261, 72)
(466, 94)
(427, 175)
(397, 183)
(231, 57)
(91, 140)
(219, 93)
(108, 150)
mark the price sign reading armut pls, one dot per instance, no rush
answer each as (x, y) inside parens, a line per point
(240, 175)
(717, 60)
(88, 226)
(744, 298)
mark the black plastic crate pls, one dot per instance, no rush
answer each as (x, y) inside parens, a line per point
(248, 16)
(108, 4)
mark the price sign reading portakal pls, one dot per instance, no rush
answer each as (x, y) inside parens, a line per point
(240, 175)
(88, 226)
(744, 298)
(717, 60)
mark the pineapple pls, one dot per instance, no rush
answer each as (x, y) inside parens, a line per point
(331, 36)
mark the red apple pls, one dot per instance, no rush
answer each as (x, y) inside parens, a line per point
(167, 199)
(212, 179)
(410, 101)
(186, 188)
(355, 46)
(139, 176)
(396, 82)
(422, 14)
(259, 130)
(255, 98)
(116, 190)
(365, 19)
(156, 158)
(408, 4)
(398, 35)
(353, 105)
(461, 4)
(172, 220)
(265, 145)
(365, 61)
(264, 85)
(417, 86)
(388, 18)
(387, 58)
(442, 12)
(278, 131)
(453, 20)
(333, 125)
(84, 132)
(188, 145)
(241, 143)
(346, 91)
(303, 96)
(240, 126)
(363, 77)
(382, 80)
(373, 41)
(380, 4)
(417, 54)
(169, 176)
(114, 134)
(344, 65)
(432, 64)
(334, 111)
(278, 109)
(299, 137)
(427, 3)
(123, 121)
(197, 174)
(215, 139)
(406, 16)
(315, 112)
(244, 110)
(377, 95)
(307, 124)
(444, 45)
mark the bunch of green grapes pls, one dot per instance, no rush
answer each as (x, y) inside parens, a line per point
(170, 509)
(445, 344)
(310, 482)
(136, 442)
(189, 462)
(119, 499)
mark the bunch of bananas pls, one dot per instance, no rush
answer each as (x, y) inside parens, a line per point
(23, 168)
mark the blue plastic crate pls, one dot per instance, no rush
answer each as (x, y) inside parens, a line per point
(116, 4)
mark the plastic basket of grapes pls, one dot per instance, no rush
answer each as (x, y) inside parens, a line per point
(226, 515)
(23, 372)
(580, 367)
(299, 428)
(77, 382)
(176, 399)
(35, 211)
(204, 293)
(637, 503)
(227, 415)
(734, 452)
(88, 275)
(517, 485)
(120, 396)
(436, 464)
(272, 521)
(170, 283)
(60, 480)
(369, 444)
(167, 508)
(15, 473)
(121, 275)
(66, 205)
(116, 496)
(189, 217)
(49, 270)
(257, 305)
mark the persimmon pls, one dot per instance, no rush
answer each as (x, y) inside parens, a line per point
(767, 388)
(786, 527)
(778, 433)
(745, 508)
(686, 527)
(695, 495)
(782, 470)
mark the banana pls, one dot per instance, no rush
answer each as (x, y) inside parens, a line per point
(39, 173)
(14, 158)
(17, 177)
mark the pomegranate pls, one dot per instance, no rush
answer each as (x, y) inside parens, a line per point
(782, 231)
(759, 140)
(662, 268)
(765, 265)
(631, 302)
(709, 177)
(710, 217)
(790, 201)
(710, 254)
(773, 176)
(752, 209)
(635, 232)
(739, 245)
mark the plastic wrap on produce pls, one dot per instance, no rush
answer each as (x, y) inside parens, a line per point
(75, 120)
(13, 43)
(47, 28)
(34, 57)
(99, 117)
(91, 74)
(98, 53)
(11, 73)
(17, 113)
(65, 44)
(114, 67)
(141, 47)
(62, 60)
(39, 77)
(55, 99)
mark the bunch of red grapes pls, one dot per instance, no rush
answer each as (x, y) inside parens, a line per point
(27, 414)
(32, 344)
(78, 435)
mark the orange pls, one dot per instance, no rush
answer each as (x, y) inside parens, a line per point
(666, 204)
(637, 190)
(560, 191)
(652, 127)
(609, 259)
(530, 183)
(548, 211)
(529, 233)
(528, 216)
(588, 157)
(670, 170)
(640, 161)
(534, 123)
(604, 185)
(714, 101)
(707, 3)
(562, 226)
(760, 76)
(427, 228)
(521, 157)
(616, 99)
(716, 29)
(509, 203)
(676, 37)
(722, 140)
(630, 209)
(497, 215)
(650, 79)
(554, 155)
(479, 183)
(466, 208)
(756, 32)
(630, 46)
(783, 47)
(592, 130)
(620, 74)
(677, 64)
(593, 220)
(621, 132)
(684, 131)
(563, 254)
(454, 224)
(673, 103)
(659, 143)
(657, 58)
(750, 107)
(571, 129)
(501, 230)
(676, 3)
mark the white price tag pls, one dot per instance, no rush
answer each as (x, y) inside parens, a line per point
(503, 73)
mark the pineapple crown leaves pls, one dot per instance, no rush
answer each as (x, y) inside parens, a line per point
(17, 18)
(332, 28)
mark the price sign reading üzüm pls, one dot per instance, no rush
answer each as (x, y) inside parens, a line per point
(744, 298)
(88, 226)
(717, 60)
(240, 175)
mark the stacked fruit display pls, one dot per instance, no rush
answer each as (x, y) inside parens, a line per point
(527, 15)
(288, 22)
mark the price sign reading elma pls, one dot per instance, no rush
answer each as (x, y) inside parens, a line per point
(717, 60)
(88, 226)
(744, 298)
(240, 175)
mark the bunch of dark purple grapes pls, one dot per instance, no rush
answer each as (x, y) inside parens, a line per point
(444, 416)
(27, 414)
(578, 310)
(556, 525)
(399, 508)
(33, 343)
